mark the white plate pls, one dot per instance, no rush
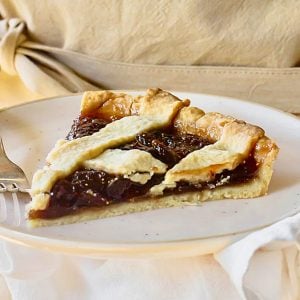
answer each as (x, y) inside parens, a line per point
(30, 131)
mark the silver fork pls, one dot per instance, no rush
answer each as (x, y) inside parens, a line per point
(12, 180)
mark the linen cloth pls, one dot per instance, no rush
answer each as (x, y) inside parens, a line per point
(244, 49)
(252, 268)
(224, 33)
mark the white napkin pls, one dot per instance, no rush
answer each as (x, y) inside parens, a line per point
(245, 270)
(236, 259)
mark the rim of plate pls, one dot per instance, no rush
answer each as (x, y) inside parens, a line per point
(126, 249)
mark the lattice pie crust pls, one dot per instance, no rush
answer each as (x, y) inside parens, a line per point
(231, 140)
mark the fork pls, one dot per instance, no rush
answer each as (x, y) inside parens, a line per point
(12, 180)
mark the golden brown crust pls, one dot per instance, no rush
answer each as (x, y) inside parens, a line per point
(233, 140)
(113, 106)
(106, 104)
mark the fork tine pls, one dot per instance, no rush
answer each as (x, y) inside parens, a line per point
(12, 180)
(3, 187)
(17, 210)
(3, 208)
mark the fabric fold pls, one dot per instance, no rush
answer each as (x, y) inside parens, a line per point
(40, 72)
(11, 37)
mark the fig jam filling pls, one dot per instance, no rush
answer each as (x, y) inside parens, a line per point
(85, 125)
(168, 147)
(90, 188)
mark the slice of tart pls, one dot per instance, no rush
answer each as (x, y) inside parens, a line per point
(128, 154)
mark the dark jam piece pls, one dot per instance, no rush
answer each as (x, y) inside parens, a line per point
(242, 173)
(169, 148)
(84, 126)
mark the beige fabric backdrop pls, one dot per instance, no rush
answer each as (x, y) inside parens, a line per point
(245, 49)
